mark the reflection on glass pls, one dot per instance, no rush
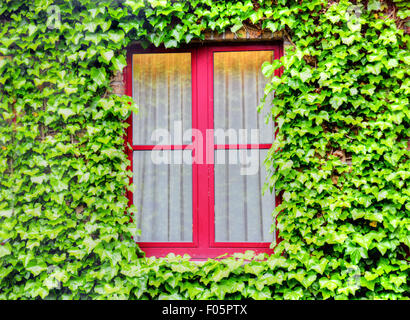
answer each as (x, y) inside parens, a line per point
(242, 214)
(238, 89)
(163, 195)
(161, 88)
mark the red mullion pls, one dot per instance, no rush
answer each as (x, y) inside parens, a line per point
(127, 77)
(205, 166)
(195, 168)
(210, 147)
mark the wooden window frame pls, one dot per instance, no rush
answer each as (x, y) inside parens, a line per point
(203, 245)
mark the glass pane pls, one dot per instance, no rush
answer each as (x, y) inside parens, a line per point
(163, 195)
(161, 88)
(238, 88)
(242, 214)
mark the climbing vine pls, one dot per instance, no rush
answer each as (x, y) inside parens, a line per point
(340, 160)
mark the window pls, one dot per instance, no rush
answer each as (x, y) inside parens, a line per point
(198, 146)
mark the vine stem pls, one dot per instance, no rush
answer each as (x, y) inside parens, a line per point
(289, 38)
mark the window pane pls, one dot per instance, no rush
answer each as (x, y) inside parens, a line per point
(238, 88)
(161, 87)
(163, 195)
(242, 214)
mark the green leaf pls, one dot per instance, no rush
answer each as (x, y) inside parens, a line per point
(330, 284)
(267, 69)
(392, 63)
(356, 253)
(306, 74)
(373, 5)
(98, 75)
(308, 280)
(272, 26)
(36, 267)
(119, 63)
(116, 36)
(65, 112)
(236, 27)
(107, 55)
(5, 249)
(135, 4)
(172, 43)
(293, 294)
(255, 269)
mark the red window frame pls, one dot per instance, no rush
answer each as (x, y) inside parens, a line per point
(203, 245)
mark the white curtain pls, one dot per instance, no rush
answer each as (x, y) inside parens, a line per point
(238, 89)
(242, 214)
(162, 89)
(163, 196)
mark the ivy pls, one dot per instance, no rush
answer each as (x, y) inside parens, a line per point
(340, 160)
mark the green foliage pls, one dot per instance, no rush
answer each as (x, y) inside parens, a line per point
(341, 154)
(340, 158)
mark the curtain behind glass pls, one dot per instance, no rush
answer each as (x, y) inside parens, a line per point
(242, 214)
(163, 196)
(161, 87)
(238, 88)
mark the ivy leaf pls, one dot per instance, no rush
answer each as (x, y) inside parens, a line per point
(272, 26)
(107, 55)
(119, 63)
(158, 3)
(321, 266)
(308, 280)
(98, 75)
(267, 69)
(356, 253)
(66, 113)
(5, 249)
(392, 63)
(36, 267)
(135, 4)
(188, 37)
(39, 179)
(305, 75)
(253, 268)
(236, 27)
(373, 5)
(331, 284)
(293, 294)
(116, 36)
(172, 43)
(354, 25)
(336, 101)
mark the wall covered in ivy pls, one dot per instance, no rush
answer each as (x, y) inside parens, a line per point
(340, 160)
